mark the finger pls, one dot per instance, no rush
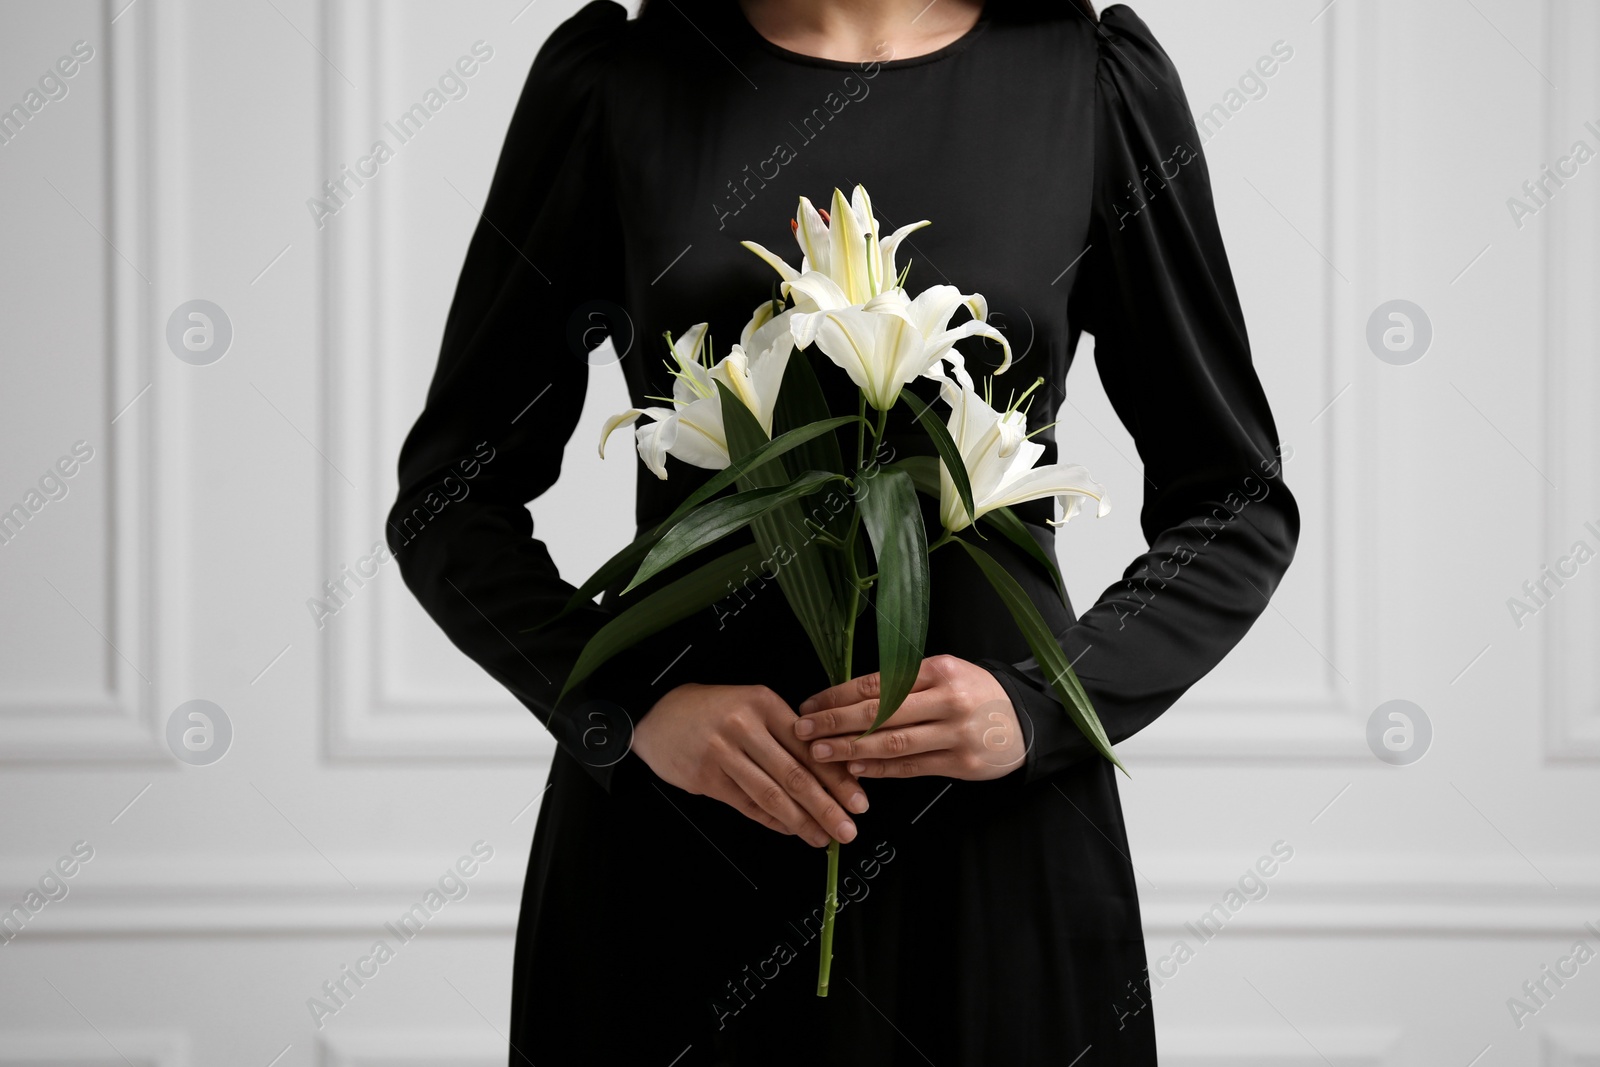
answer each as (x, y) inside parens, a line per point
(733, 796)
(865, 687)
(773, 799)
(801, 785)
(887, 743)
(929, 763)
(844, 786)
(838, 781)
(925, 706)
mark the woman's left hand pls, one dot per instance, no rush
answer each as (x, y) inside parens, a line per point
(956, 722)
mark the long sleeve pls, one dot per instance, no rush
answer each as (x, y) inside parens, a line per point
(1156, 292)
(506, 394)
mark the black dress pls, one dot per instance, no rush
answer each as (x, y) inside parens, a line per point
(983, 922)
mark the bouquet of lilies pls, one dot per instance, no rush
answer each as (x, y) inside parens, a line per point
(758, 417)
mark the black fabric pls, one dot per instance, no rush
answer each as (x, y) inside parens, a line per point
(992, 922)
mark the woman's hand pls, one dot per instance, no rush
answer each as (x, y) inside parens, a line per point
(957, 722)
(736, 743)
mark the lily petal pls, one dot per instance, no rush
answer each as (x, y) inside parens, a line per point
(812, 236)
(762, 315)
(615, 422)
(814, 291)
(861, 204)
(880, 351)
(687, 347)
(654, 442)
(888, 246)
(973, 328)
(1063, 480)
(847, 250)
(786, 272)
(699, 439)
(1000, 459)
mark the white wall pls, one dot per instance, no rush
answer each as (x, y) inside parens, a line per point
(367, 756)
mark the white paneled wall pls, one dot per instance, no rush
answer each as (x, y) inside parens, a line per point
(212, 494)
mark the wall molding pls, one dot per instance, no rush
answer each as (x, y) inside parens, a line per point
(1180, 1047)
(1422, 896)
(1570, 1046)
(122, 724)
(82, 1047)
(1342, 1046)
(435, 1047)
(360, 720)
(1329, 726)
(1571, 622)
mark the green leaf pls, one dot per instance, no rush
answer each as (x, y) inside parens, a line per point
(676, 600)
(802, 404)
(803, 573)
(768, 451)
(924, 471)
(718, 518)
(1042, 642)
(1008, 523)
(618, 566)
(945, 445)
(612, 570)
(893, 519)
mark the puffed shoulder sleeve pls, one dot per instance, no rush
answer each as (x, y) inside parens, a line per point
(1155, 291)
(505, 397)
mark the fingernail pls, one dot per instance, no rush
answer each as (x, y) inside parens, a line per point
(858, 803)
(805, 727)
(845, 832)
(822, 750)
(857, 767)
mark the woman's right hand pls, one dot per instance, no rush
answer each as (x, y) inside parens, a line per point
(736, 744)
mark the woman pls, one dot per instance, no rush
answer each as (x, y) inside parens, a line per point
(989, 907)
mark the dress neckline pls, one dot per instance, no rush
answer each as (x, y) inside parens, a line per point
(754, 36)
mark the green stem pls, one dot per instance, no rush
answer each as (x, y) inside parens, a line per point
(830, 906)
(877, 436)
(830, 899)
(830, 896)
(827, 538)
(861, 430)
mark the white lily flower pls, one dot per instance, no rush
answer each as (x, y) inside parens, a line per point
(1000, 462)
(753, 370)
(843, 260)
(691, 429)
(892, 339)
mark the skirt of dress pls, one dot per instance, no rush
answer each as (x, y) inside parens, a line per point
(980, 923)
